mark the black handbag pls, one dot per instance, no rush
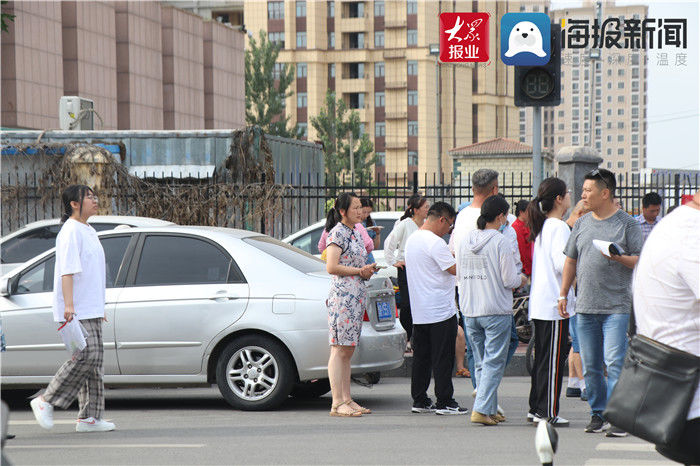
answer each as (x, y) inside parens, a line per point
(654, 391)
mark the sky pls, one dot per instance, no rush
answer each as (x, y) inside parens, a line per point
(673, 97)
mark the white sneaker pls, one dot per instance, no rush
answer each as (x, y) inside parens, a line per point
(43, 412)
(91, 424)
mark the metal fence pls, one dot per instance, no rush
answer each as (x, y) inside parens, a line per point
(306, 198)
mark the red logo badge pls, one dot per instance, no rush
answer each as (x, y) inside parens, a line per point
(464, 37)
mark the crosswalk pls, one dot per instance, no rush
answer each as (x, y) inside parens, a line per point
(626, 453)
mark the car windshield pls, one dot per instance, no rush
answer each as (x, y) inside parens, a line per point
(294, 257)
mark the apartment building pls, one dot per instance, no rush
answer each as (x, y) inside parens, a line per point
(376, 57)
(603, 99)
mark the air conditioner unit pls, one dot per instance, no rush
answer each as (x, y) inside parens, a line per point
(75, 113)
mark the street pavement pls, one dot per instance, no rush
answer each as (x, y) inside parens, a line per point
(196, 426)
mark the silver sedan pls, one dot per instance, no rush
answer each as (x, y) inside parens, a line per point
(198, 305)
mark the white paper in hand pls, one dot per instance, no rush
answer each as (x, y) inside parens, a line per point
(73, 335)
(607, 247)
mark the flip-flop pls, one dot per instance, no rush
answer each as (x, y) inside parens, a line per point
(334, 411)
(361, 409)
(463, 373)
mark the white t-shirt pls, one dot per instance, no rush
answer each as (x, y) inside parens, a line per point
(666, 286)
(547, 266)
(431, 287)
(79, 253)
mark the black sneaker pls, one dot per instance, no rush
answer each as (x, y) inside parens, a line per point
(596, 425)
(572, 392)
(423, 407)
(451, 409)
(615, 432)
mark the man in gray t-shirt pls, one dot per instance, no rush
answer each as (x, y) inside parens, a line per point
(604, 297)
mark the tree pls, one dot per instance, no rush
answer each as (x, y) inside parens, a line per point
(265, 92)
(333, 125)
(5, 18)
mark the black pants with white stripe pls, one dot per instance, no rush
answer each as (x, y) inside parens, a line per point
(551, 349)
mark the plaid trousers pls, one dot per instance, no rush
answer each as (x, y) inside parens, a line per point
(82, 376)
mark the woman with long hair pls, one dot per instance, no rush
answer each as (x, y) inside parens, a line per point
(347, 301)
(488, 274)
(550, 234)
(394, 253)
(78, 293)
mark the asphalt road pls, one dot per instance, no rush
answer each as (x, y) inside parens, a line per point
(196, 426)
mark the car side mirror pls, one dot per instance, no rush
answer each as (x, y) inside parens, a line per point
(5, 286)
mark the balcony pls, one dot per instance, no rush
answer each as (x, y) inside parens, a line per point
(394, 53)
(397, 145)
(395, 85)
(395, 115)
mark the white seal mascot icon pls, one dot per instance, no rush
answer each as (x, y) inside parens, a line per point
(525, 37)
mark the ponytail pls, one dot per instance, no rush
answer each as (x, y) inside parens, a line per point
(341, 203)
(492, 207)
(481, 222)
(540, 206)
(332, 219)
(416, 201)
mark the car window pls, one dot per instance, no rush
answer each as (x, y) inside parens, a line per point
(290, 255)
(309, 241)
(183, 260)
(114, 247)
(23, 247)
(38, 279)
(388, 225)
(105, 226)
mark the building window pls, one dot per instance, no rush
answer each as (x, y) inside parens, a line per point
(635, 125)
(574, 101)
(609, 85)
(379, 8)
(560, 127)
(379, 129)
(412, 37)
(574, 75)
(635, 59)
(609, 72)
(379, 39)
(635, 138)
(560, 139)
(574, 140)
(301, 8)
(620, 125)
(635, 99)
(635, 165)
(301, 70)
(560, 114)
(331, 40)
(304, 127)
(357, 100)
(610, 112)
(621, 72)
(301, 40)
(379, 99)
(609, 163)
(381, 159)
(621, 152)
(276, 38)
(635, 86)
(635, 152)
(575, 113)
(302, 100)
(362, 129)
(620, 138)
(379, 69)
(275, 10)
(331, 9)
(412, 157)
(609, 97)
(331, 70)
(356, 10)
(574, 126)
(412, 67)
(609, 138)
(413, 128)
(621, 85)
(620, 164)
(277, 70)
(412, 7)
(522, 127)
(412, 98)
(574, 87)
(621, 98)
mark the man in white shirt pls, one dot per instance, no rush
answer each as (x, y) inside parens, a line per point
(431, 270)
(666, 289)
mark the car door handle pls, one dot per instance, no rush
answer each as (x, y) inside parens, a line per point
(223, 296)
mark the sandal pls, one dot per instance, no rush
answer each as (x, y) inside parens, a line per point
(463, 373)
(360, 409)
(335, 413)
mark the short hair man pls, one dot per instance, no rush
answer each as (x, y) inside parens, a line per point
(604, 296)
(431, 269)
(649, 218)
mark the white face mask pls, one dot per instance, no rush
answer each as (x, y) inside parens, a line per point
(503, 226)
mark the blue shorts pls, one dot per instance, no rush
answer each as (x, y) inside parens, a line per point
(572, 333)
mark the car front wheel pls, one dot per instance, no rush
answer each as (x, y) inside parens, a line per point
(255, 373)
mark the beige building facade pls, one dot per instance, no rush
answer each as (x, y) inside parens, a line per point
(376, 57)
(146, 65)
(604, 100)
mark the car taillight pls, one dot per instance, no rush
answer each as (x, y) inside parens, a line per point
(365, 318)
(397, 312)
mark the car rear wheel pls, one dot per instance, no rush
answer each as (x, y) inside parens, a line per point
(310, 390)
(255, 373)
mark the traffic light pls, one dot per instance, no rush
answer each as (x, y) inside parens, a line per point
(540, 86)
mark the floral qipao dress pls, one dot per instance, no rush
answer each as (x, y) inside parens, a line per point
(348, 295)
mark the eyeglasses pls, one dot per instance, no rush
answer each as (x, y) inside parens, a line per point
(599, 175)
(452, 223)
(92, 197)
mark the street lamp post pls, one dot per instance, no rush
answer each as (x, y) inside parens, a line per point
(435, 51)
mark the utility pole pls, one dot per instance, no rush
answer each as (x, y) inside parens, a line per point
(537, 165)
(437, 120)
(352, 162)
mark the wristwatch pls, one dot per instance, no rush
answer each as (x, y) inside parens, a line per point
(562, 298)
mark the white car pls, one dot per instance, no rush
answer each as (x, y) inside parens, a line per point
(37, 237)
(307, 239)
(200, 305)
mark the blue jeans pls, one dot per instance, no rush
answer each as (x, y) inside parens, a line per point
(603, 341)
(470, 353)
(514, 342)
(489, 337)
